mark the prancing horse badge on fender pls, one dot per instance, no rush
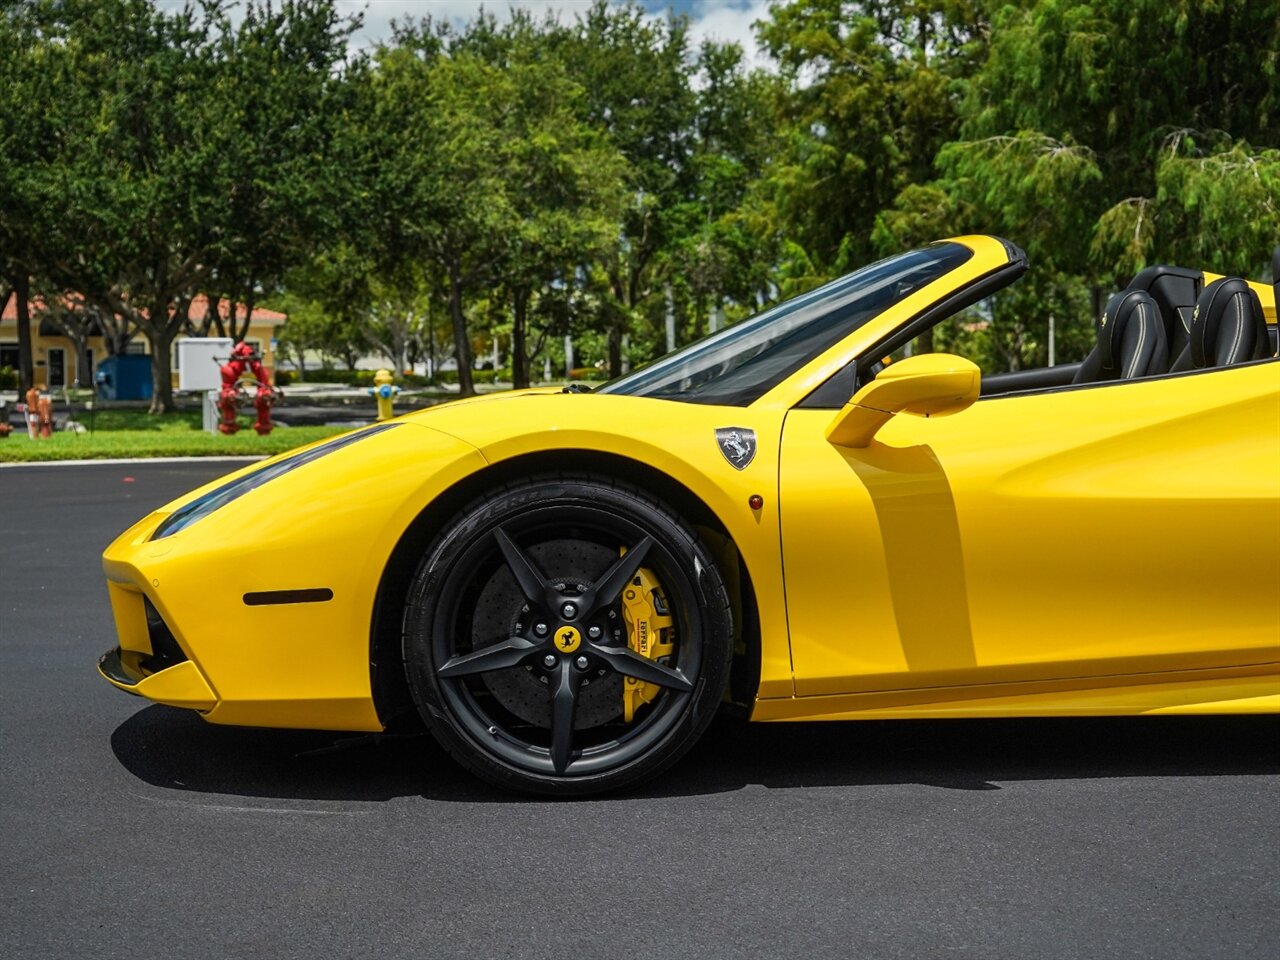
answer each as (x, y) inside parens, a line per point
(738, 444)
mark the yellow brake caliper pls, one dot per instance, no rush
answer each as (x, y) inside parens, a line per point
(649, 633)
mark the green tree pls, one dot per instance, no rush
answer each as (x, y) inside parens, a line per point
(396, 324)
(134, 161)
(636, 73)
(720, 252)
(277, 185)
(438, 174)
(1225, 206)
(1156, 99)
(567, 186)
(868, 103)
(182, 156)
(328, 301)
(30, 233)
(1104, 136)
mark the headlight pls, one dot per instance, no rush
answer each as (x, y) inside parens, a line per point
(219, 497)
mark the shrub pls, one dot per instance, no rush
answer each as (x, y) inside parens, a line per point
(451, 376)
(364, 378)
(8, 378)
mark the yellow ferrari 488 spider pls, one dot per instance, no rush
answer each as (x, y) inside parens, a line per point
(793, 515)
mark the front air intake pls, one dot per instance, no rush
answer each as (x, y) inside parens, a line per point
(165, 651)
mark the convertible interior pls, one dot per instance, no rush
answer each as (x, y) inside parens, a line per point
(1168, 320)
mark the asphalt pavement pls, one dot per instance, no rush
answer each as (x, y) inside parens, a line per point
(129, 830)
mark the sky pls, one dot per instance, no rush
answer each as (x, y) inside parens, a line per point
(723, 20)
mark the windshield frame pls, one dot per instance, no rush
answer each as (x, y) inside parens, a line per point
(741, 364)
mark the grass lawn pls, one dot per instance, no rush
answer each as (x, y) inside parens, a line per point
(135, 433)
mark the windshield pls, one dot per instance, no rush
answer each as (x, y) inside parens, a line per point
(739, 365)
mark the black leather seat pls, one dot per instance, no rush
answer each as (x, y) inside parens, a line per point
(1275, 286)
(1175, 291)
(1131, 341)
(1228, 326)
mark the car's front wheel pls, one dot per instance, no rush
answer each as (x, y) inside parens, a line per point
(567, 636)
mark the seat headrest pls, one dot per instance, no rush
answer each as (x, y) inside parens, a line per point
(1275, 280)
(1174, 289)
(1127, 306)
(1228, 325)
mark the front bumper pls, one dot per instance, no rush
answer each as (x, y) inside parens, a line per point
(191, 630)
(181, 685)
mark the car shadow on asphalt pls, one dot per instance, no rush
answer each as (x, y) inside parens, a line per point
(175, 749)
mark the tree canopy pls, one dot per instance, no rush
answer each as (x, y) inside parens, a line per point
(603, 178)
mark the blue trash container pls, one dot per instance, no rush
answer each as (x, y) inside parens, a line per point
(126, 376)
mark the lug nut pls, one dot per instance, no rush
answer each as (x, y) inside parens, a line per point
(549, 661)
(582, 663)
(540, 629)
(569, 611)
(593, 633)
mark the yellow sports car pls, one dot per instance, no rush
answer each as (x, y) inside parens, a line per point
(566, 585)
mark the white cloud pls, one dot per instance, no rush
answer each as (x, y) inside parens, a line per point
(730, 21)
(378, 14)
(721, 20)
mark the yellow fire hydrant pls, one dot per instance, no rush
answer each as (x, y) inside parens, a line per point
(385, 391)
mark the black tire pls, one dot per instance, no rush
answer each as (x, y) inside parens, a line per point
(477, 659)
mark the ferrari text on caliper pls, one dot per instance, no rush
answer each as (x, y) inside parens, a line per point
(649, 633)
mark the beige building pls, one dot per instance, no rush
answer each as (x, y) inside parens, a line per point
(54, 355)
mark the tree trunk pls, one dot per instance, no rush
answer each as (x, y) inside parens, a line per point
(5, 294)
(615, 350)
(75, 325)
(238, 333)
(160, 330)
(84, 376)
(519, 336)
(26, 369)
(117, 330)
(431, 350)
(461, 342)
(181, 321)
(213, 316)
(182, 314)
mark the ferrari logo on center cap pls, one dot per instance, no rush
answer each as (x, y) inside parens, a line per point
(568, 639)
(738, 444)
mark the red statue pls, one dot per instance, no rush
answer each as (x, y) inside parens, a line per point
(39, 413)
(233, 392)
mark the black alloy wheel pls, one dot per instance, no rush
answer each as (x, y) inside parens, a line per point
(518, 648)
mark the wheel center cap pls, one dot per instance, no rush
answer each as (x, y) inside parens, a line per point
(568, 639)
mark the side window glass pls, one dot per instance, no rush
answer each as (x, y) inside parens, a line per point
(1016, 341)
(971, 334)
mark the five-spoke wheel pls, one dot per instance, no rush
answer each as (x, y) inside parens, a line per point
(525, 626)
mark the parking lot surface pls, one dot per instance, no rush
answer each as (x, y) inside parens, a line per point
(129, 830)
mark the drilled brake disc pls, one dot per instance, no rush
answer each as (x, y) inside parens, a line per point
(499, 613)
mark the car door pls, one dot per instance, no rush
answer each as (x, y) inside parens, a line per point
(1093, 531)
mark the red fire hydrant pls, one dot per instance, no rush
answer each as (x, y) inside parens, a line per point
(233, 393)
